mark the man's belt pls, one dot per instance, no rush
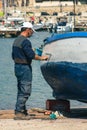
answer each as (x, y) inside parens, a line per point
(20, 61)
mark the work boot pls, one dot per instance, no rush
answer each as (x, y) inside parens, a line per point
(25, 112)
(21, 116)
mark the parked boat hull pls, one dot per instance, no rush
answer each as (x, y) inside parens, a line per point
(66, 69)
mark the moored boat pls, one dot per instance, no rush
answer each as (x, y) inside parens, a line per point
(66, 69)
(61, 27)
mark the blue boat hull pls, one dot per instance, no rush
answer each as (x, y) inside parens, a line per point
(67, 77)
(68, 81)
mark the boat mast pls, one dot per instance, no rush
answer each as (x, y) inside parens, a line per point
(74, 11)
(5, 9)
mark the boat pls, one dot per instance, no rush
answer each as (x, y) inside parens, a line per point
(64, 28)
(66, 69)
(61, 27)
(38, 26)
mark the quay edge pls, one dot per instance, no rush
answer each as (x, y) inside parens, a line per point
(9, 34)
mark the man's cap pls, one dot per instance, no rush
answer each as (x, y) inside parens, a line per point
(28, 25)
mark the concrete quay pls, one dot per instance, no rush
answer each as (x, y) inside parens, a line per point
(76, 121)
(38, 124)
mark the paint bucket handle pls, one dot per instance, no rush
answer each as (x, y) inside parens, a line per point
(49, 56)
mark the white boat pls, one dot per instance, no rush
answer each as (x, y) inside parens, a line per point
(61, 27)
(38, 26)
(66, 69)
(66, 28)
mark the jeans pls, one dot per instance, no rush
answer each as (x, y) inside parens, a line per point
(23, 74)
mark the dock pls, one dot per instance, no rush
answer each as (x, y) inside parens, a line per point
(14, 32)
(80, 27)
(75, 119)
(75, 113)
(60, 108)
(9, 33)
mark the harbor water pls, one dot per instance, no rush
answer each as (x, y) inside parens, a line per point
(41, 91)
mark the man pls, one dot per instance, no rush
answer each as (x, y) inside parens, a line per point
(23, 54)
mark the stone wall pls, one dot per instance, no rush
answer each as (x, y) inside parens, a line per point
(51, 9)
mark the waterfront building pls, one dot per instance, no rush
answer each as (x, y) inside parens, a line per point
(34, 3)
(43, 5)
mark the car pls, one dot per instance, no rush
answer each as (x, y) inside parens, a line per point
(79, 13)
(72, 13)
(55, 13)
(44, 13)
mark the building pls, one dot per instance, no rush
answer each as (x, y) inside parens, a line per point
(44, 5)
(34, 3)
(19, 3)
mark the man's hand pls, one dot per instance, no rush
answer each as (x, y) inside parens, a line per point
(44, 57)
(37, 57)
